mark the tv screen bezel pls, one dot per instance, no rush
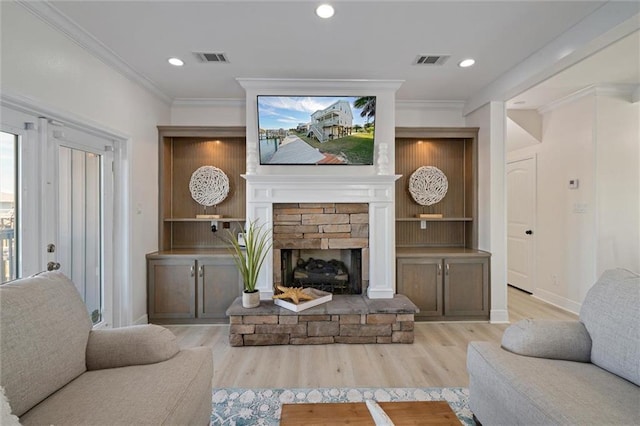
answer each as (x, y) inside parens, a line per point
(371, 159)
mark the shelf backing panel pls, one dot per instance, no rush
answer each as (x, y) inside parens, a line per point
(188, 154)
(436, 234)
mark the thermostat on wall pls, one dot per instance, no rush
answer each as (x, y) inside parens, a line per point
(573, 183)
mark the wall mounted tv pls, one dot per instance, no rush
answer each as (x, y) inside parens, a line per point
(318, 130)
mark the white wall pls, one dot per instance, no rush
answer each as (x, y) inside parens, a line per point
(617, 182)
(581, 232)
(565, 236)
(429, 114)
(40, 63)
(492, 235)
(208, 113)
(518, 138)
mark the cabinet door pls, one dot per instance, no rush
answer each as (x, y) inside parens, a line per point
(466, 287)
(218, 285)
(172, 288)
(420, 279)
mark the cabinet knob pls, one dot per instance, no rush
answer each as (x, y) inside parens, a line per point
(528, 232)
(201, 271)
(447, 271)
(193, 270)
(439, 269)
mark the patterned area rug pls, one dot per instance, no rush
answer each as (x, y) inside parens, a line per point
(234, 406)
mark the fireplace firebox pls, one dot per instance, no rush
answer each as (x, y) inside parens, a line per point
(321, 245)
(334, 271)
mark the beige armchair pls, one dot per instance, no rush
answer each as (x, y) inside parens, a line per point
(56, 370)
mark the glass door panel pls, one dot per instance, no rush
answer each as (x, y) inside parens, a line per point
(9, 243)
(80, 224)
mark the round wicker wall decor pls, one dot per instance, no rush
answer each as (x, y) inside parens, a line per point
(209, 185)
(428, 185)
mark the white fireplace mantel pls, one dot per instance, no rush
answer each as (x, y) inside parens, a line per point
(376, 190)
(321, 188)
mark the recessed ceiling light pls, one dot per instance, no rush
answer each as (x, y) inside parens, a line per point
(325, 11)
(519, 102)
(176, 62)
(466, 63)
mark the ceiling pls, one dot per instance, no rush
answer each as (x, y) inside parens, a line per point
(364, 40)
(617, 64)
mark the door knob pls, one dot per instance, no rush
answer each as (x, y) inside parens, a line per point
(528, 232)
(53, 266)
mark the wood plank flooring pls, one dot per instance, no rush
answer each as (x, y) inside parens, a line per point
(436, 358)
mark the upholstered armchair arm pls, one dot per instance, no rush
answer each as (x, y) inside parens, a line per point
(135, 345)
(566, 340)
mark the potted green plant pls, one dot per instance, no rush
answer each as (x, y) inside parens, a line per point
(249, 258)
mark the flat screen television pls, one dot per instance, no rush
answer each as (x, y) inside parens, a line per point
(317, 130)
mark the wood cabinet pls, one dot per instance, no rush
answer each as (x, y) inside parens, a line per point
(171, 288)
(420, 279)
(452, 287)
(218, 284)
(192, 278)
(187, 289)
(466, 287)
(438, 264)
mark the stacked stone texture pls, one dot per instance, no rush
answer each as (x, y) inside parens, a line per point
(258, 330)
(302, 226)
(312, 226)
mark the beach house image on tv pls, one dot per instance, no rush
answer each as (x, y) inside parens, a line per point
(316, 130)
(332, 122)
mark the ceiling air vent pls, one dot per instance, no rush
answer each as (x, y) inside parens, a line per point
(431, 59)
(212, 57)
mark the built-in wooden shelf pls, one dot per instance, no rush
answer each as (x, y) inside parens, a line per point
(182, 150)
(194, 219)
(454, 151)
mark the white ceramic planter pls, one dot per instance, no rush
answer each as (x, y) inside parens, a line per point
(251, 300)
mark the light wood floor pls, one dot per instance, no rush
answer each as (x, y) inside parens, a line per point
(436, 358)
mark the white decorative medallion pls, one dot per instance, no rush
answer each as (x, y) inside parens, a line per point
(428, 185)
(209, 186)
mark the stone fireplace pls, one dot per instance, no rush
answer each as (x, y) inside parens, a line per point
(321, 245)
(343, 209)
(315, 211)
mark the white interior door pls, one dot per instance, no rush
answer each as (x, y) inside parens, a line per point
(82, 215)
(521, 199)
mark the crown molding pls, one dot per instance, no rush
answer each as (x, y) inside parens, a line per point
(39, 108)
(430, 105)
(61, 22)
(626, 91)
(208, 102)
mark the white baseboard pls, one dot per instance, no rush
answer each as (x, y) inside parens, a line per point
(142, 320)
(557, 301)
(499, 316)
